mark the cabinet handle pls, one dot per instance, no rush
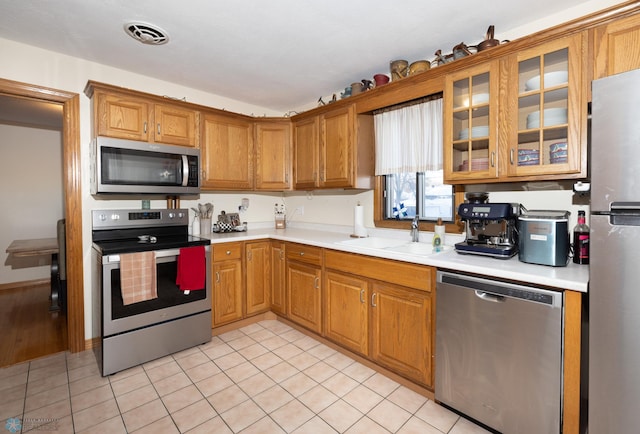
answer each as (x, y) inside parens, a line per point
(373, 300)
(493, 159)
(249, 255)
(362, 296)
(158, 129)
(204, 175)
(322, 177)
(281, 255)
(286, 177)
(301, 253)
(316, 282)
(144, 128)
(511, 156)
(228, 252)
(218, 276)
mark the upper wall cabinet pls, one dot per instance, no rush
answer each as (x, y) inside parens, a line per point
(544, 111)
(522, 117)
(616, 47)
(334, 150)
(470, 124)
(273, 155)
(227, 152)
(135, 117)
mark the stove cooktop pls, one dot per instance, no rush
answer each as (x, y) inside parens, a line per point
(111, 247)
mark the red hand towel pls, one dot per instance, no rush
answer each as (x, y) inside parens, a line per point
(191, 268)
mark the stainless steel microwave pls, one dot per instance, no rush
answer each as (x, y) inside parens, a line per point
(133, 167)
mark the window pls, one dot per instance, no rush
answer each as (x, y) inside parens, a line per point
(423, 194)
(409, 162)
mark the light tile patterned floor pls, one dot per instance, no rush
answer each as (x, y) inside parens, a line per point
(263, 378)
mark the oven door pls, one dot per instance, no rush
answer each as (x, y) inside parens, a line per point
(171, 303)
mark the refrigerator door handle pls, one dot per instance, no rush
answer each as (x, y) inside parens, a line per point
(625, 213)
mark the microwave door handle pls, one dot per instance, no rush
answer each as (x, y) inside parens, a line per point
(185, 170)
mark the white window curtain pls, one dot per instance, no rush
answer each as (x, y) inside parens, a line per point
(409, 139)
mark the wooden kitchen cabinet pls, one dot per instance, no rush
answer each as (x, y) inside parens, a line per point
(347, 311)
(522, 117)
(135, 116)
(304, 290)
(401, 321)
(544, 111)
(175, 125)
(616, 46)
(470, 121)
(227, 297)
(278, 278)
(334, 149)
(273, 155)
(306, 153)
(382, 309)
(258, 277)
(227, 152)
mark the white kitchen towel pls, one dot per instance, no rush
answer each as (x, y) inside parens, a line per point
(138, 277)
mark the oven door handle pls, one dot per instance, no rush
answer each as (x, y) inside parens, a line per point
(114, 259)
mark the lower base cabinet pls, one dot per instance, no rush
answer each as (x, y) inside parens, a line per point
(347, 311)
(258, 277)
(227, 283)
(304, 295)
(382, 310)
(278, 278)
(304, 290)
(401, 331)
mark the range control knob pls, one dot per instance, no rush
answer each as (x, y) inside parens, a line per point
(171, 215)
(115, 216)
(180, 215)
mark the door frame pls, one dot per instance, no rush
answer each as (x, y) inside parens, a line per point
(72, 184)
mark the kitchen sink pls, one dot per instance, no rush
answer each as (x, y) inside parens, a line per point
(417, 249)
(393, 245)
(373, 242)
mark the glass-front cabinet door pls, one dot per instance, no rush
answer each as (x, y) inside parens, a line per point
(470, 117)
(547, 109)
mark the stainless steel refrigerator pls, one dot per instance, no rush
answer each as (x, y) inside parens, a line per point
(614, 270)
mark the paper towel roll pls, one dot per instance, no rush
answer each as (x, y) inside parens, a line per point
(358, 222)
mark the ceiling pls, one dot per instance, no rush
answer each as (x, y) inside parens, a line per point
(278, 54)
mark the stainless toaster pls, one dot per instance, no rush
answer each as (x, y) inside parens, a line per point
(544, 237)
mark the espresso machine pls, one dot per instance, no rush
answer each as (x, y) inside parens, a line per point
(491, 228)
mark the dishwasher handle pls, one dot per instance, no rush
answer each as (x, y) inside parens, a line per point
(486, 296)
(500, 291)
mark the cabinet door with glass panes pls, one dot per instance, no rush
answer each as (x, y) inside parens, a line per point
(470, 120)
(547, 109)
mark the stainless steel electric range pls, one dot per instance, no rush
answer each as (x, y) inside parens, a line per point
(155, 290)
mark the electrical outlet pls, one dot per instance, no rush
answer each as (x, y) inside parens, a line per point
(300, 210)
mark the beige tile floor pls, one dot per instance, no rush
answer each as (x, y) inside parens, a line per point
(263, 378)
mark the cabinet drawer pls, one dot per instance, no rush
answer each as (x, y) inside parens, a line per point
(226, 251)
(386, 270)
(302, 253)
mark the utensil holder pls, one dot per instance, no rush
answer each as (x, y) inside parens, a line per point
(205, 226)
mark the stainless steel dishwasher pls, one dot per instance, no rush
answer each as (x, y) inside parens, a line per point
(499, 353)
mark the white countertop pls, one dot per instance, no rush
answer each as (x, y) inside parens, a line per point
(573, 277)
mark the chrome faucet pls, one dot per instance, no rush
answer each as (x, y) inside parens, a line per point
(415, 229)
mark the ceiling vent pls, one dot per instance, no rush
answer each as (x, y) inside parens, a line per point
(146, 33)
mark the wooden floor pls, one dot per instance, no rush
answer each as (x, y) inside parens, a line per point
(27, 329)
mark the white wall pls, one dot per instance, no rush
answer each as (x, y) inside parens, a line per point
(47, 68)
(31, 176)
